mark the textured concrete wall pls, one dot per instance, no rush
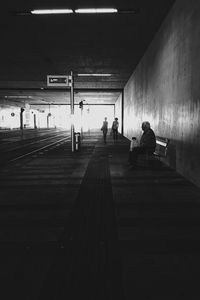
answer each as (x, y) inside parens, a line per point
(165, 89)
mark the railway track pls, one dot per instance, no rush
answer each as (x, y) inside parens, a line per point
(15, 151)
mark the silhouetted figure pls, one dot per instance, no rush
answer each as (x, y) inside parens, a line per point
(147, 143)
(115, 126)
(104, 128)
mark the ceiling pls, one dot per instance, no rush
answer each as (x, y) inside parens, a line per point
(33, 47)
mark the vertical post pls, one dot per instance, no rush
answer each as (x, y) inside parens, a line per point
(72, 110)
(48, 121)
(34, 120)
(82, 122)
(21, 119)
(122, 125)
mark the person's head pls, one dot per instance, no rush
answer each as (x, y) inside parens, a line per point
(116, 119)
(105, 118)
(145, 126)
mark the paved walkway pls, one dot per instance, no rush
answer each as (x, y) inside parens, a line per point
(87, 226)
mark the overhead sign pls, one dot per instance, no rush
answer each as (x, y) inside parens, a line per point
(59, 80)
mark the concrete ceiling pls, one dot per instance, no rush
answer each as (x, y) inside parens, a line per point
(33, 47)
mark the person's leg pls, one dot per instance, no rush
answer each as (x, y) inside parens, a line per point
(104, 136)
(116, 134)
(113, 134)
(130, 157)
(137, 151)
(134, 156)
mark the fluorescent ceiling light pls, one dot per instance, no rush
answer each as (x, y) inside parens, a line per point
(18, 97)
(51, 11)
(95, 74)
(96, 10)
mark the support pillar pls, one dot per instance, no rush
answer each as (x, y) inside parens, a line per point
(72, 110)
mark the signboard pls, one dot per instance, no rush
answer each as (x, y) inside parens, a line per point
(59, 80)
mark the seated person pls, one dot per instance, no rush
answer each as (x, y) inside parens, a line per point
(147, 143)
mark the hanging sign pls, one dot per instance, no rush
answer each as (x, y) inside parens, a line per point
(59, 80)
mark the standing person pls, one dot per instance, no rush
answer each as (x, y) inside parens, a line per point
(104, 128)
(115, 126)
(147, 143)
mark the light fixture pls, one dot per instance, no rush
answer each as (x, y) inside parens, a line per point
(77, 11)
(17, 97)
(94, 74)
(96, 10)
(51, 11)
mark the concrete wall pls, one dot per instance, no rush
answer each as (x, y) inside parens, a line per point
(165, 89)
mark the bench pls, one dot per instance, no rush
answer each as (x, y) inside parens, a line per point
(154, 159)
(161, 147)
